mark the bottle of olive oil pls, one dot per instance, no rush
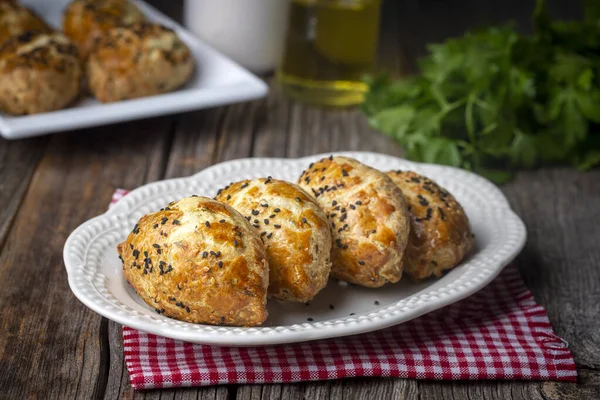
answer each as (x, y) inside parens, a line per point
(330, 45)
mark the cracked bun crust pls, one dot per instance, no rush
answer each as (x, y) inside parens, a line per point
(368, 219)
(294, 230)
(136, 61)
(440, 234)
(85, 21)
(200, 261)
(39, 72)
(16, 20)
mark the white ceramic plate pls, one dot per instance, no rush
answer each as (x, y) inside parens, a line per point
(95, 274)
(217, 81)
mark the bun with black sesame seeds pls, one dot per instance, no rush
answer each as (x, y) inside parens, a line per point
(85, 21)
(136, 61)
(368, 218)
(39, 72)
(200, 261)
(440, 235)
(16, 19)
(294, 230)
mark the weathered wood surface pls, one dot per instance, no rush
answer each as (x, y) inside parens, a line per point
(51, 346)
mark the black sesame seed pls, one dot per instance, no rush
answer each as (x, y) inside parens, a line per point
(304, 220)
(228, 197)
(136, 253)
(266, 221)
(146, 254)
(374, 231)
(345, 247)
(220, 264)
(164, 220)
(264, 205)
(352, 313)
(204, 254)
(352, 207)
(244, 185)
(256, 221)
(207, 224)
(277, 226)
(155, 226)
(255, 212)
(309, 319)
(248, 218)
(276, 210)
(442, 215)
(156, 246)
(218, 254)
(235, 243)
(131, 246)
(212, 253)
(187, 309)
(361, 263)
(331, 307)
(358, 202)
(331, 157)
(176, 222)
(270, 235)
(222, 221)
(344, 172)
(298, 199)
(263, 233)
(376, 303)
(272, 216)
(256, 225)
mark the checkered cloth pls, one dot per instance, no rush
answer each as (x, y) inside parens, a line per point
(498, 333)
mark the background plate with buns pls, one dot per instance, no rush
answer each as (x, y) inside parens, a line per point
(216, 81)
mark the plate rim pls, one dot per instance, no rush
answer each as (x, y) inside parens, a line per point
(250, 87)
(260, 336)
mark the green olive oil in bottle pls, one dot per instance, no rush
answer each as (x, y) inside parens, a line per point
(330, 45)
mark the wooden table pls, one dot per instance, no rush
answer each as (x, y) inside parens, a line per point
(52, 346)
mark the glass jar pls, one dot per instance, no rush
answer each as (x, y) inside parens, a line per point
(330, 45)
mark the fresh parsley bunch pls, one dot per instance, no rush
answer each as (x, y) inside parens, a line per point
(495, 101)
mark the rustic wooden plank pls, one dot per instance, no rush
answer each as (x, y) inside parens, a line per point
(18, 160)
(50, 344)
(357, 388)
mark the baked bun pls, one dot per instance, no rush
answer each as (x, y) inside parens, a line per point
(368, 219)
(136, 61)
(39, 72)
(84, 21)
(440, 234)
(16, 20)
(200, 261)
(294, 230)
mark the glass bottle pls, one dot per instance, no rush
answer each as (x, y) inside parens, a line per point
(330, 45)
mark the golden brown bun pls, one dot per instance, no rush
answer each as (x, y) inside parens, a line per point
(84, 21)
(16, 20)
(200, 261)
(294, 230)
(440, 234)
(368, 219)
(39, 72)
(136, 61)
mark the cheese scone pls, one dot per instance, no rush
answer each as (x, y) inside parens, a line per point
(440, 234)
(198, 260)
(368, 219)
(16, 19)
(39, 72)
(138, 60)
(294, 230)
(85, 21)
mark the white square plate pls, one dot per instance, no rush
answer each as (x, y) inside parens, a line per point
(96, 275)
(217, 81)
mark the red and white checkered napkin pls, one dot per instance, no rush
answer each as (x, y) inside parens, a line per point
(498, 333)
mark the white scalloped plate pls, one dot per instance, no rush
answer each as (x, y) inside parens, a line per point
(95, 276)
